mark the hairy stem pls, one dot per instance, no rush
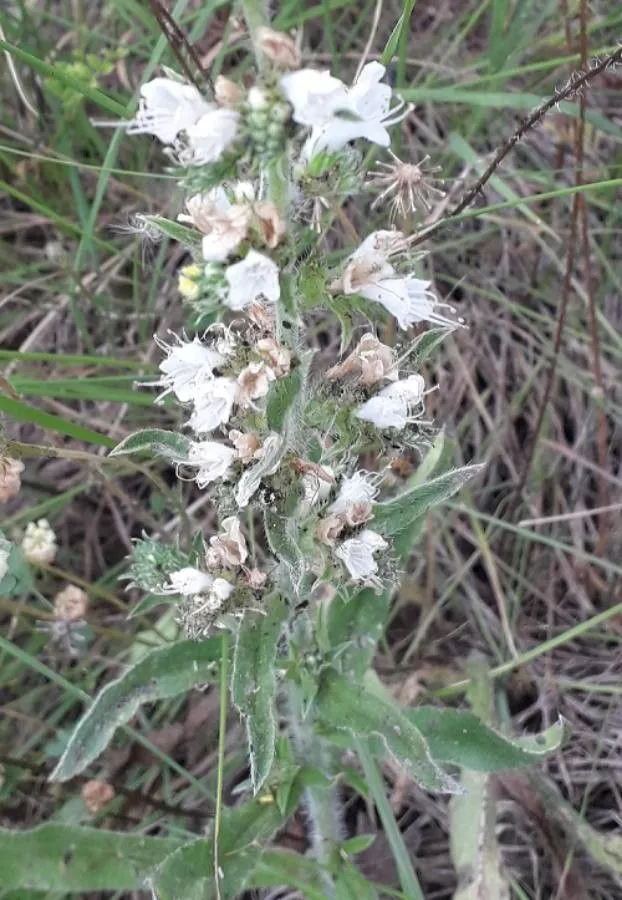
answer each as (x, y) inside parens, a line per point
(322, 802)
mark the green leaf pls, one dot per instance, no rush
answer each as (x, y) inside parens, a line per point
(70, 859)
(17, 579)
(425, 344)
(281, 398)
(165, 672)
(342, 704)
(173, 229)
(22, 412)
(283, 867)
(169, 444)
(461, 738)
(188, 874)
(278, 529)
(253, 684)
(395, 516)
(394, 38)
(351, 625)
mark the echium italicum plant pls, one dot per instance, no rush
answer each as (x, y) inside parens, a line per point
(303, 460)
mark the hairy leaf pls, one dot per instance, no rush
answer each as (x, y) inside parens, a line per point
(395, 516)
(174, 230)
(165, 443)
(71, 859)
(283, 545)
(281, 398)
(273, 450)
(165, 672)
(188, 873)
(461, 738)
(345, 705)
(253, 684)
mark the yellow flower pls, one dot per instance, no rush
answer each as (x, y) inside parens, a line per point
(187, 283)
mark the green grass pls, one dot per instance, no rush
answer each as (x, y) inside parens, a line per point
(82, 298)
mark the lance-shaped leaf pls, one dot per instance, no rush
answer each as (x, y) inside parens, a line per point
(344, 705)
(163, 443)
(395, 516)
(164, 672)
(253, 683)
(68, 859)
(460, 737)
(174, 230)
(188, 874)
(278, 529)
(281, 398)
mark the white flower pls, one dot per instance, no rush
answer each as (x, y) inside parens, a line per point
(271, 455)
(316, 96)
(211, 459)
(357, 555)
(209, 137)
(187, 582)
(167, 108)
(186, 362)
(221, 590)
(359, 488)
(369, 273)
(39, 542)
(253, 382)
(368, 114)
(252, 278)
(213, 403)
(203, 208)
(396, 405)
(228, 548)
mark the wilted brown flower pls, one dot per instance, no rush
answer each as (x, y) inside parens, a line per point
(278, 47)
(247, 445)
(271, 226)
(96, 795)
(229, 547)
(329, 529)
(10, 477)
(226, 92)
(255, 579)
(253, 383)
(370, 362)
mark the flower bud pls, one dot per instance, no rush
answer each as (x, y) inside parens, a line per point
(10, 480)
(96, 795)
(187, 282)
(279, 48)
(71, 604)
(226, 92)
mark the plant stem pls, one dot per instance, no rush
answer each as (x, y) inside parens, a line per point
(222, 732)
(322, 802)
(256, 17)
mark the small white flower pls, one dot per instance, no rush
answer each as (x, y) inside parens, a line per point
(228, 548)
(396, 405)
(367, 114)
(227, 234)
(211, 459)
(357, 555)
(166, 109)
(369, 273)
(253, 278)
(213, 403)
(221, 590)
(188, 582)
(244, 192)
(359, 488)
(315, 96)
(209, 137)
(39, 542)
(202, 209)
(186, 362)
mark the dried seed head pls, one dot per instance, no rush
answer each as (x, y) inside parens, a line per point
(96, 795)
(70, 604)
(407, 187)
(226, 92)
(279, 48)
(10, 477)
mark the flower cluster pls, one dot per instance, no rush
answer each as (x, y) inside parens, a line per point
(250, 159)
